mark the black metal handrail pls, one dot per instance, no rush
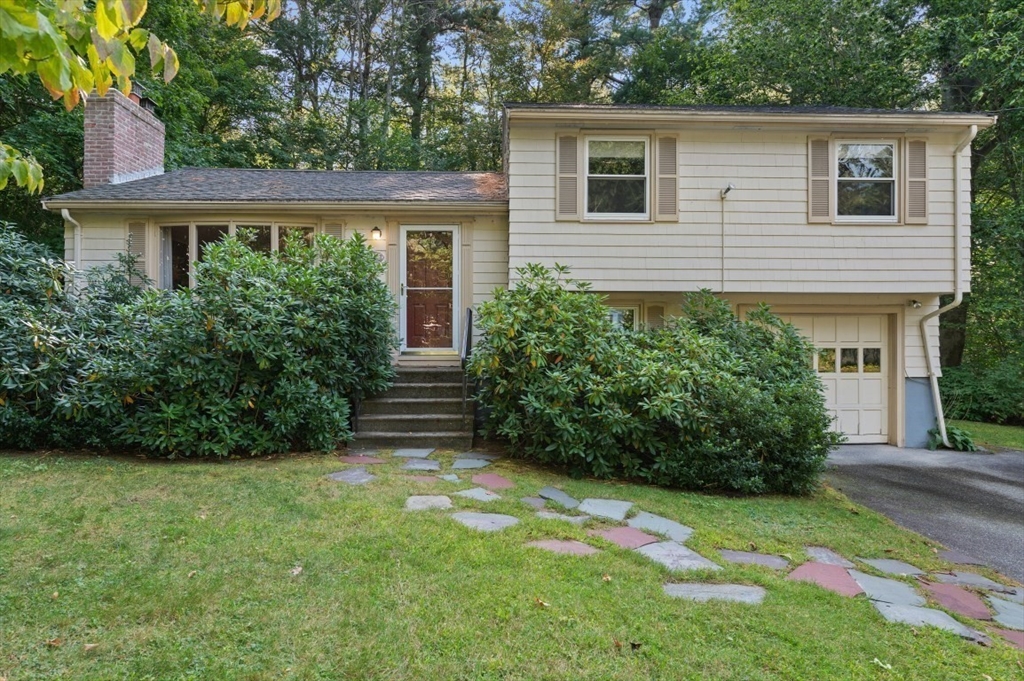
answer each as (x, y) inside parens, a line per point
(465, 351)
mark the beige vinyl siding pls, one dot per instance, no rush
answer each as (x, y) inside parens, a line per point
(769, 245)
(103, 237)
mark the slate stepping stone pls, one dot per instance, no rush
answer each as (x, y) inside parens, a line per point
(887, 590)
(605, 508)
(485, 522)
(831, 577)
(1008, 613)
(424, 478)
(568, 547)
(1015, 594)
(478, 493)
(483, 456)
(958, 557)
(421, 465)
(424, 503)
(449, 477)
(918, 617)
(716, 592)
(676, 557)
(750, 558)
(493, 481)
(353, 476)
(464, 464)
(892, 567)
(655, 523)
(536, 502)
(362, 460)
(971, 579)
(819, 554)
(960, 601)
(413, 453)
(558, 496)
(1014, 638)
(574, 519)
(626, 537)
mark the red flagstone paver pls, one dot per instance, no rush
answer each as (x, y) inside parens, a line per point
(493, 481)
(569, 547)
(423, 478)
(1014, 638)
(626, 537)
(960, 601)
(831, 577)
(360, 459)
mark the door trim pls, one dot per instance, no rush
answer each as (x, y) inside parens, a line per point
(404, 229)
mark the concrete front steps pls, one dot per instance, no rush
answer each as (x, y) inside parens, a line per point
(422, 409)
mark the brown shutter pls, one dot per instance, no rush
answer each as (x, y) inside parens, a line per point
(337, 231)
(655, 316)
(567, 197)
(916, 212)
(666, 189)
(819, 180)
(137, 247)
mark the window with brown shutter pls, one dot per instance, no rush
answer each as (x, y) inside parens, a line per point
(819, 181)
(568, 189)
(667, 184)
(136, 246)
(916, 211)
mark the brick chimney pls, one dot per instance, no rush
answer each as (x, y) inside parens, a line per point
(123, 139)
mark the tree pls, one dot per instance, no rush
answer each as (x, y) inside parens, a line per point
(74, 48)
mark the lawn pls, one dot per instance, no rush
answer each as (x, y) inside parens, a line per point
(992, 436)
(135, 569)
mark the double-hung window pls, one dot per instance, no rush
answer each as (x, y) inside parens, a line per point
(866, 180)
(617, 178)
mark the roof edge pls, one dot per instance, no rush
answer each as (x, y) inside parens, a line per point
(56, 204)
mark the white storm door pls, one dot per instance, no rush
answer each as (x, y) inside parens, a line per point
(429, 291)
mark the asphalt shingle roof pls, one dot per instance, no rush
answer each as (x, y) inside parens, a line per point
(249, 185)
(725, 109)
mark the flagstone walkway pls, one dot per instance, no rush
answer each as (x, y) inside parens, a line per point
(901, 596)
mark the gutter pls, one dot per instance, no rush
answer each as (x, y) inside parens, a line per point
(77, 252)
(958, 289)
(389, 207)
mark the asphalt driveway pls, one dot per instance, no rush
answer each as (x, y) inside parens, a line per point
(971, 502)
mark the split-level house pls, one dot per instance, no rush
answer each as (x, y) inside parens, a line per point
(850, 223)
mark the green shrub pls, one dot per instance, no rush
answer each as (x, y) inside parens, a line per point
(264, 355)
(989, 394)
(707, 402)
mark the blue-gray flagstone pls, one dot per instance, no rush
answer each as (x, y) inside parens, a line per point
(919, 617)
(887, 590)
(424, 503)
(676, 557)
(449, 477)
(749, 558)
(819, 554)
(971, 579)
(574, 519)
(353, 476)
(611, 509)
(716, 592)
(422, 465)
(558, 496)
(478, 493)
(485, 522)
(655, 523)
(477, 455)
(1008, 613)
(470, 463)
(413, 453)
(892, 567)
(1014, 594)
(536, 502)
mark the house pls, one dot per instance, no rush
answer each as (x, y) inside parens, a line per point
(850, 223)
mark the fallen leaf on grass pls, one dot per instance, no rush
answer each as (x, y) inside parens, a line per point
(634, 646)
(55, 595)
(296, 571)
(883, 665)
(192, 574)
(752, 545)
(54, 643)
(89, 647)
(606, 578)
(541, 603)
(618, 643)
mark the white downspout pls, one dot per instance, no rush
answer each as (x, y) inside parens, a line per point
(958, 290)
(77, 251)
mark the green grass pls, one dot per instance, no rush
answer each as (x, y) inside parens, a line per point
(184, 571)
(992, 436)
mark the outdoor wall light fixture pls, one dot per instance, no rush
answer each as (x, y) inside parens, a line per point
(728, 189)
(915, 304)
(376, 233)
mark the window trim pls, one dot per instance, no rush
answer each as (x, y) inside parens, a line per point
(646, 216)
(637, 309)
(897, 179)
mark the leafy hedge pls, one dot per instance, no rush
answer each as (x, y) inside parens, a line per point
(989, 394)
(264, 354)
(707, 402)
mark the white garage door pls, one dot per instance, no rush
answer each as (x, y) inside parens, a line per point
(852, 360)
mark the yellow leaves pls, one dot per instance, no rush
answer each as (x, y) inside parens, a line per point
(209, 323)
(107, 20)
(127, 399)
(541, 604)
